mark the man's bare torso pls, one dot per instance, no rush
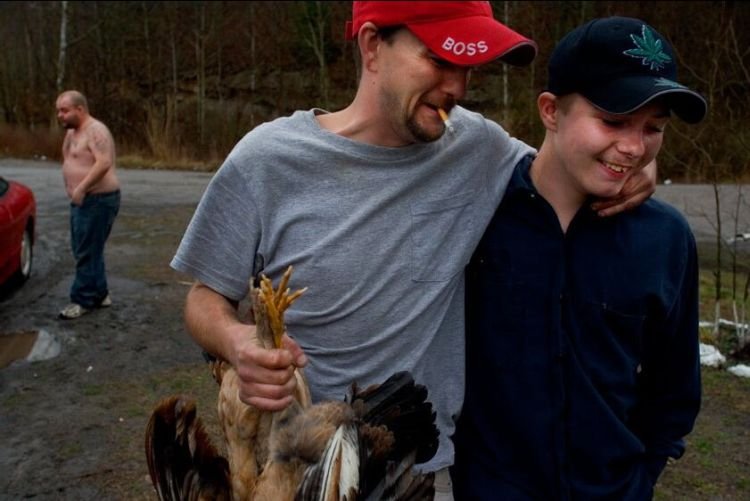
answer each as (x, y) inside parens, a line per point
(79, 147)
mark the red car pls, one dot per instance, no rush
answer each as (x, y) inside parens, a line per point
(17, 220)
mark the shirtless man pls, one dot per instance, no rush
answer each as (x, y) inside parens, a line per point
(94, 190)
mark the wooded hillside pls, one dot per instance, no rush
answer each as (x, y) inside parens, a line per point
(186, 80)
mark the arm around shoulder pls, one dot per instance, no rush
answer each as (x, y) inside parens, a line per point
(637, 189)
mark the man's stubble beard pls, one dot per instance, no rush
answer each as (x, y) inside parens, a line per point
(420, 134)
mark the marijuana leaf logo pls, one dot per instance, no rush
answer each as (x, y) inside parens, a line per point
(648, 48)
(663, 82)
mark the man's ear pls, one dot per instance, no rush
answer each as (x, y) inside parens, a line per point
(548, 106)
(368, 41)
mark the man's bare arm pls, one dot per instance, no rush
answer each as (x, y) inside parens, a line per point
(637, 189)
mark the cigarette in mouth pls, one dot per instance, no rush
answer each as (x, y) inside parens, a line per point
(446, 120)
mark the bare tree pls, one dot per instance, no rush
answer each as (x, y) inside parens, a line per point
(506, 104)
(253, 68)
(63, 47)
(316, 19)
(201, 36)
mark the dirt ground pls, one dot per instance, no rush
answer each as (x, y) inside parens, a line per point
(71, 425)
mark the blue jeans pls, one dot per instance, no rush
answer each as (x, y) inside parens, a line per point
(90, 225)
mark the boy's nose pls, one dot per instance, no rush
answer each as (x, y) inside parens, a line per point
(631, 143)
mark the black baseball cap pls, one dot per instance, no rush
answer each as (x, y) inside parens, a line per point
(619, 64)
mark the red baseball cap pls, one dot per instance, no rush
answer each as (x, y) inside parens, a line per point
(463, 33)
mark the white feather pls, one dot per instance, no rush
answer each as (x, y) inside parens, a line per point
(341, 464)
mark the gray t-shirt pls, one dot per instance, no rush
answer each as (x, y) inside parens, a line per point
(380, 236)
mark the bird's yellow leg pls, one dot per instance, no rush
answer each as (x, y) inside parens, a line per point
(277, 301)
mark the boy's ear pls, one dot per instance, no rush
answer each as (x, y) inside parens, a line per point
(548, 106)
(368, 42)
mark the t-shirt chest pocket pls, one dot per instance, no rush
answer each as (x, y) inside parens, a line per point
(441, 237)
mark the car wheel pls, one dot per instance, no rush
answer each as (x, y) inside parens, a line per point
(27, 255)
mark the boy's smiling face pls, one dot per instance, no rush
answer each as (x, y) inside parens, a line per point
(598, 150)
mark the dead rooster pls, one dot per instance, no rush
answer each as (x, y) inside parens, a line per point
(361, 448)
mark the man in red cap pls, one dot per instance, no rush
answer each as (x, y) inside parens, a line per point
(377, 208)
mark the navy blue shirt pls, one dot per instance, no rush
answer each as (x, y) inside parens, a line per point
(583, 370)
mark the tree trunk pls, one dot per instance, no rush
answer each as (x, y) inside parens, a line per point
(717, 271)
(101, 69)
(63, 46)
(316, 40)
(200, 56)
(506, 102)
(253, 70)
(147, 40)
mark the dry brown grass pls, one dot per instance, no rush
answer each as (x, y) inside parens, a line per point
(20, 142)
(45, 143)
(141, 161)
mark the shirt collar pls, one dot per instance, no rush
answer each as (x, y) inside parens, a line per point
(520, 181)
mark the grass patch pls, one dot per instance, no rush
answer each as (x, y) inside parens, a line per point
(732, 305)
(716, 458)
(15, 400)
(134, 400)
(138, 161)
(71, 450)
(92, 390)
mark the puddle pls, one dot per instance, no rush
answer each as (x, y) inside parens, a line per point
(28, 345)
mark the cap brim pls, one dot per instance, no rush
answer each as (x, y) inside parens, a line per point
(627, 94)
(470, 41)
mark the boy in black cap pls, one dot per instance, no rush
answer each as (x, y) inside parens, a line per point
(583, 371)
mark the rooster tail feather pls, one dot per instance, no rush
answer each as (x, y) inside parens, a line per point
(182, 462)
(402, 407)
(399, 431)
(401, 482)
